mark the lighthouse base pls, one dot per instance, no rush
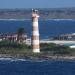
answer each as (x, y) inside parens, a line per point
(36, 50)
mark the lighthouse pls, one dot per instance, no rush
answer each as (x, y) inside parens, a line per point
(35, 32)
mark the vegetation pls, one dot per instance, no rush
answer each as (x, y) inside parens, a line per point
(21, 33)
(7, 47)
(15, 49)
(53, 49)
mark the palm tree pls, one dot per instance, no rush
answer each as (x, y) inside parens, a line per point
(21, 35)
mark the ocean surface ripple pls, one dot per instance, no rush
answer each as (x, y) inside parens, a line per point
(47, 28)
(29, 67)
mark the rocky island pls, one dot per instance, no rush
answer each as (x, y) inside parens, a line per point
(48, 51)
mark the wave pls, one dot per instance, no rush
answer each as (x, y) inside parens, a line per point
(62, 19)
(14, 19)
(40, 19)
(12, 59)
(23, 60)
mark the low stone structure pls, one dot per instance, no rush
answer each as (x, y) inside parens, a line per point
(11, 37)
(65, 37)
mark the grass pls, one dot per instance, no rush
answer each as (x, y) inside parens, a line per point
(22, 50)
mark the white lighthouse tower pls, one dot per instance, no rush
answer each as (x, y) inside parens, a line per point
(35, 32)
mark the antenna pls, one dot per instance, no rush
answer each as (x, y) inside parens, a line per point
(32, 9)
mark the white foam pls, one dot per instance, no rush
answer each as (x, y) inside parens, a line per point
(12, 59)
(5, 58)
(62, 19)
(14, 19)
(9, 60)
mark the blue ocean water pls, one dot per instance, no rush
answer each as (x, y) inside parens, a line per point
(18, 67)
(47, 28)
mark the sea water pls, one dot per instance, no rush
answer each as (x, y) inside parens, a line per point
(47, 28)
(31, 67)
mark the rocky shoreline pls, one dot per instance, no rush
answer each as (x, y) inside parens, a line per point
(55, 57)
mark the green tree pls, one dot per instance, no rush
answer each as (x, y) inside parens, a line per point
(21, 35)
